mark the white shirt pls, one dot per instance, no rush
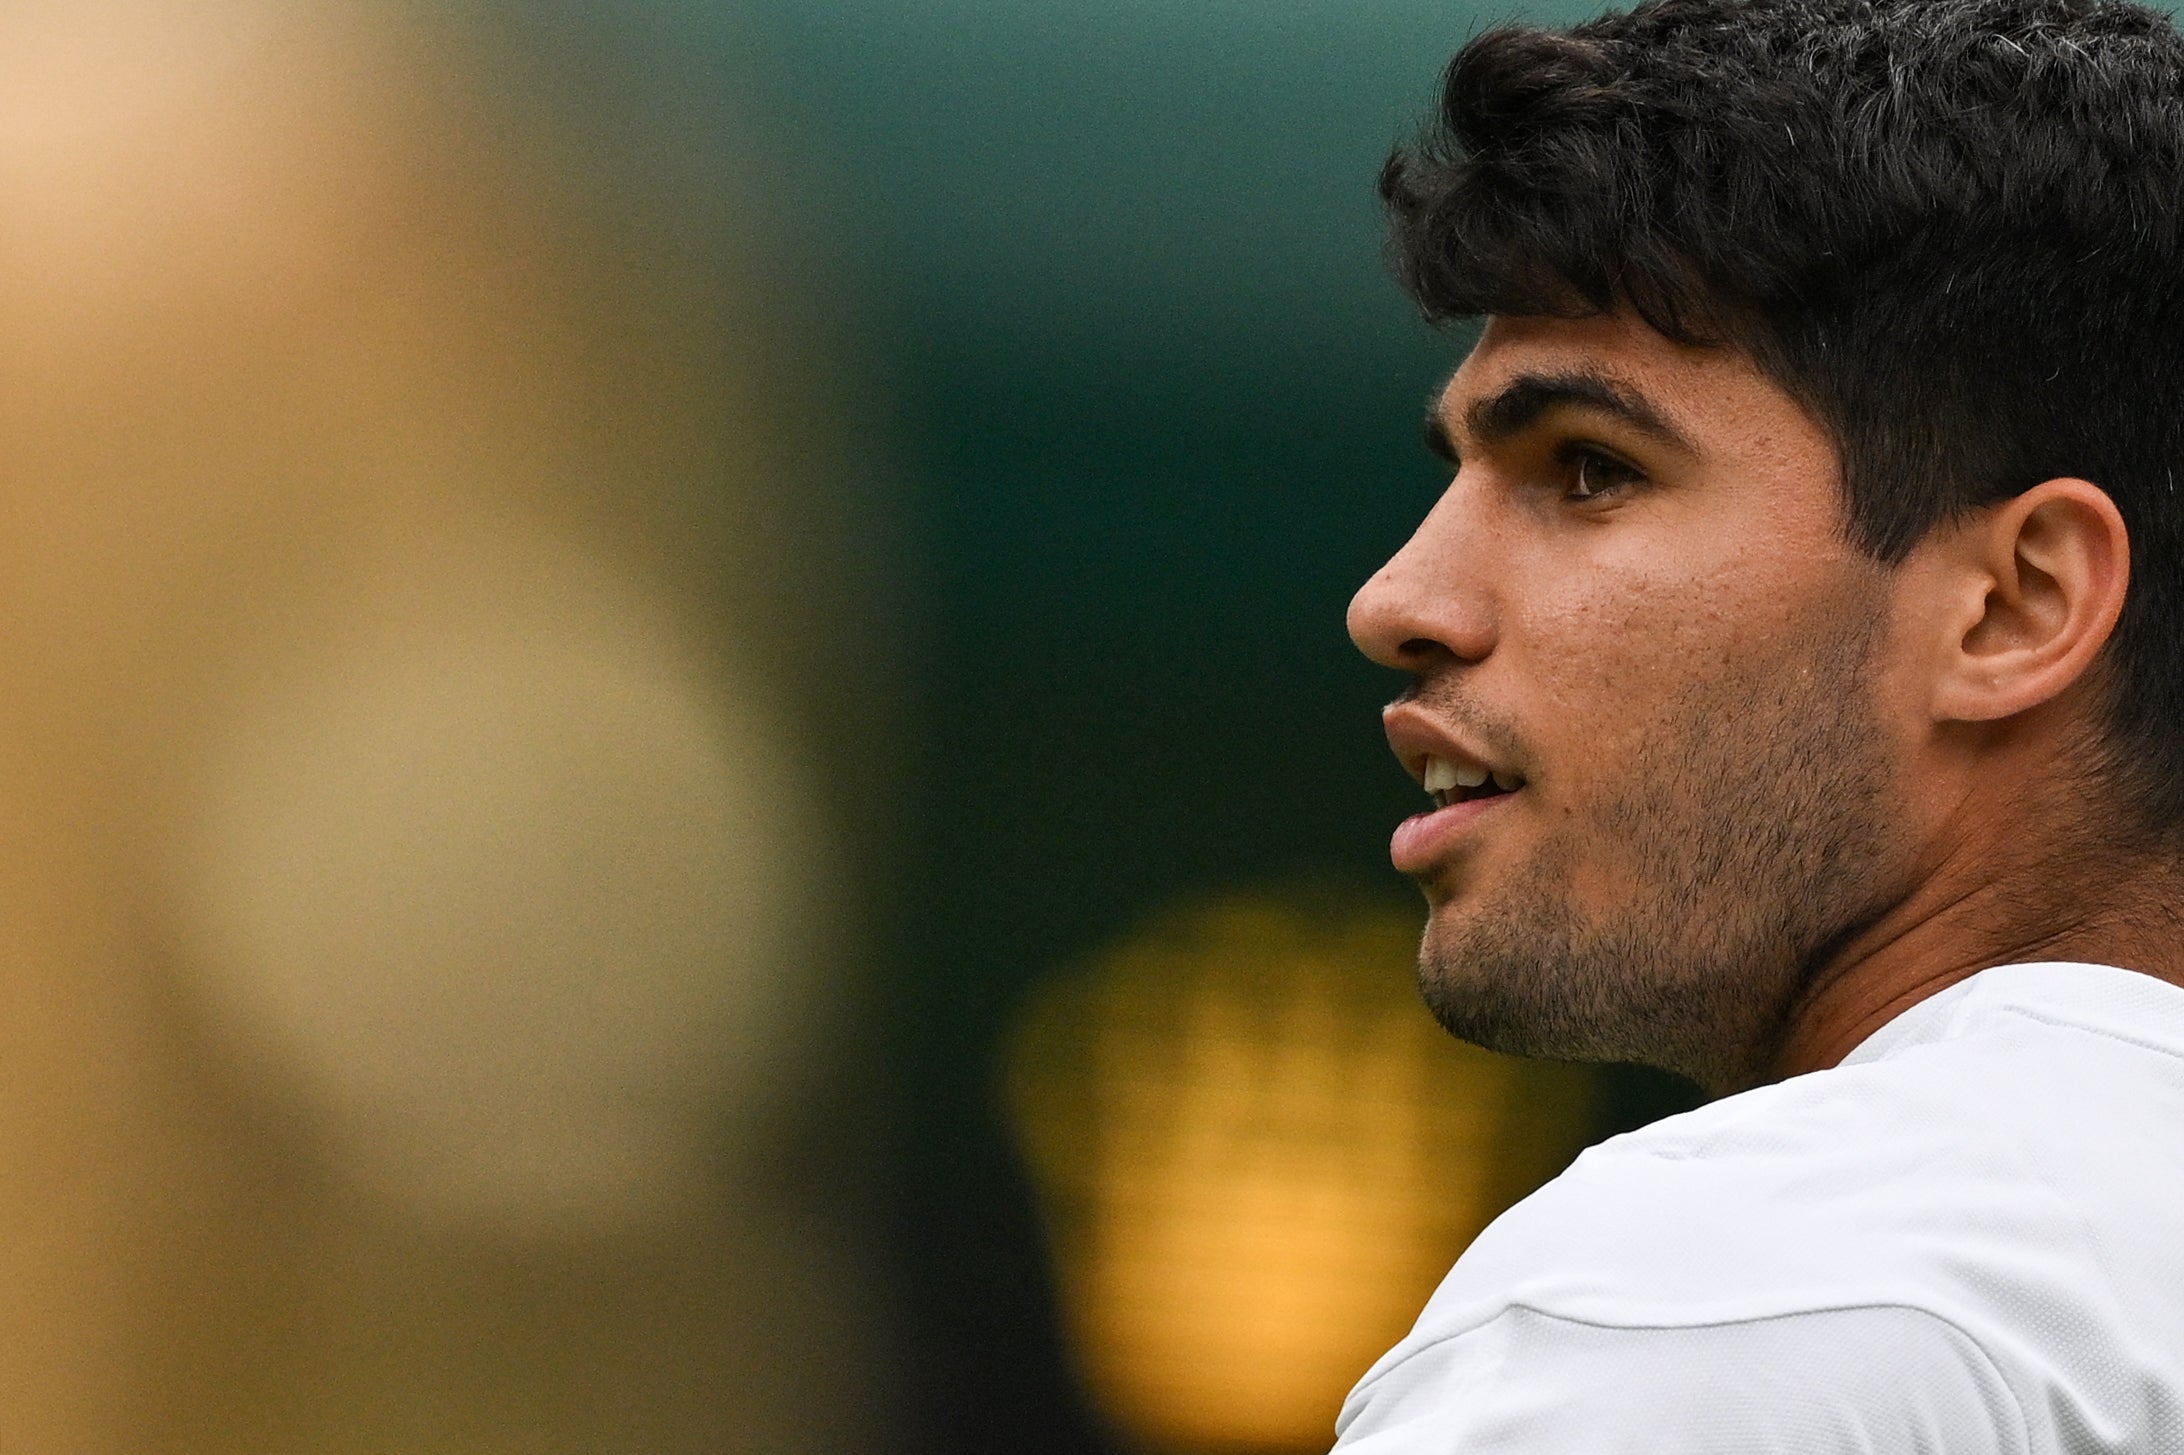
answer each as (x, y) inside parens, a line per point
(1967, 1238)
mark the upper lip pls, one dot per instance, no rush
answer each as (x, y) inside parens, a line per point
(1415, 737)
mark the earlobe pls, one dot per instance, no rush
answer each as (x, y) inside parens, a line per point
(2041, 583)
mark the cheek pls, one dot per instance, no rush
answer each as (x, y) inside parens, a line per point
(1605, 650)
(1613, 659)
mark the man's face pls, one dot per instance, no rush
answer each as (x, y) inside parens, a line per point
(1635, 603)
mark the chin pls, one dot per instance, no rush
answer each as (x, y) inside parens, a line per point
(1536, 981)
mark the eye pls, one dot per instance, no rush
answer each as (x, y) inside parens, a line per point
(1594, 476)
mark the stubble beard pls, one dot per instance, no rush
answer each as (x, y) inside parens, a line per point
(1754, 836)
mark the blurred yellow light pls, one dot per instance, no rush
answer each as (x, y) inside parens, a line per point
(1259, 1154)
(513, 887)
(416, 894)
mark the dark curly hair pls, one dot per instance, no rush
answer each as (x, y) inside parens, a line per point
(1953, 230)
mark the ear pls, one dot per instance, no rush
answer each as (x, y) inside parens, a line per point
(2034, 586)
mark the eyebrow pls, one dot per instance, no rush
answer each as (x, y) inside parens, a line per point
(1524, 400)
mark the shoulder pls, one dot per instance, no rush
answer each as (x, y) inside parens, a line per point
(1991, 1190)
(2001, 1144)
(1866, 1380)
(1826, 1191)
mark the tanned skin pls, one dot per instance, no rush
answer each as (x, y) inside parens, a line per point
(1774, 792)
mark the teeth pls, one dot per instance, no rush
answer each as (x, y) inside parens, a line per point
(1442, 775)
(1507, 782)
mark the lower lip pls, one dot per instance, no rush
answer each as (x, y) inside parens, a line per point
(1422, 840)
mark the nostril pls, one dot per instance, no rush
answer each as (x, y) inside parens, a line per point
(1420, 652)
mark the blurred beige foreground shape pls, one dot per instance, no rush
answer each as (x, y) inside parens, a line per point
(1258, 1155)
(411, 894)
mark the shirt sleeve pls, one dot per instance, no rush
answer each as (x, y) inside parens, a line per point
(1857, 1381)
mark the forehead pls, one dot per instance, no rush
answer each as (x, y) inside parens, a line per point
(1712, 396)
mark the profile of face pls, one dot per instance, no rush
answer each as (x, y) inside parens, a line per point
(1650, 699)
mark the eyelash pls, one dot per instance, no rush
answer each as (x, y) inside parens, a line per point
(1583, 460)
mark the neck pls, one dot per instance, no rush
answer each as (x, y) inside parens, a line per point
(2127, 912)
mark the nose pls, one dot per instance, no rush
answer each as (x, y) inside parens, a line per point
(1430, 605)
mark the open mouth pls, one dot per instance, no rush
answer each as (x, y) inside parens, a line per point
(1450, 781)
